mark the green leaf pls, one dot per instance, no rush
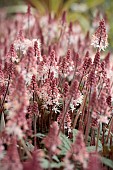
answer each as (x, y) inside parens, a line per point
(16, 9)
(40, 6)
(55, 5)
(55, 158)
(30, 146)
(75, 132)
(83, 20)
(39, 135)
(107, 162)
(63, 151)
(91, 148)
(94, 3)
(79, 7)
(100, 147)
(66, 143)
(67, 4)
(56, 165)
(46, 164)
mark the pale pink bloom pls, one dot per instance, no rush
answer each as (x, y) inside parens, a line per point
(68, 164)
(14, 129)
(18, 102)
(22, 44)
(78, 151)
(103, 119)
(35, 162)
(52, 140)
(45, 93)
(94, 162)
(31, 22)
(67, 121)
(95, 42)
(11, 159)
(99, 39)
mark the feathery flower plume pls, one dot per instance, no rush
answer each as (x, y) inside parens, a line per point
(77, 152)
(35, 162)
(11, 160)
(91, 78)
(65, 89)
(96, 61)
(67, 121)
(94, 162)
(100, 38)
(17, 106)
(52, 140)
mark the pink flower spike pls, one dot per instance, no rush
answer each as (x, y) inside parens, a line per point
(100, 38)
(52, 140)
(29, 10)
(78, 151)
(94, 162)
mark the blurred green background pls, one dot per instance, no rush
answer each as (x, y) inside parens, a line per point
(82, 10)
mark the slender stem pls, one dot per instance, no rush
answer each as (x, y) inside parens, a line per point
(2, 125)
(80, 81)
(64, 113)
(87, 127)
(111, 140)
(98, 137)
(69, 101)
(61, 34)
(92, 142)
(100, 90)
(3, 101)
(88, 119)
(103, 135)
(79, 111)
(28, 25)
(26, 149)
(110, 127)
(64, 118)
(35, 121)
(35, 130)
(50, 117)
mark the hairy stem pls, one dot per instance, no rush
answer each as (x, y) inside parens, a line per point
(88, 120)
(3, 101)
(109, 131)
(98, 137)
(79, 111)
(64, 113)
(26, 149)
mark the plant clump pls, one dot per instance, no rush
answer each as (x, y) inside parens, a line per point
(56, 95)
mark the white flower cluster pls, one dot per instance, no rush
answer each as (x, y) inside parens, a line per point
(76, 102)
(102, 45)
(23, 45)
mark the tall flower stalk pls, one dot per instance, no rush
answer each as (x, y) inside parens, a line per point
(55, 95)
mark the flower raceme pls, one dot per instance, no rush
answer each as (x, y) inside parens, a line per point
(77, 152)
(57, 86)
(52, 141)
(99, 39)
(17, 106)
